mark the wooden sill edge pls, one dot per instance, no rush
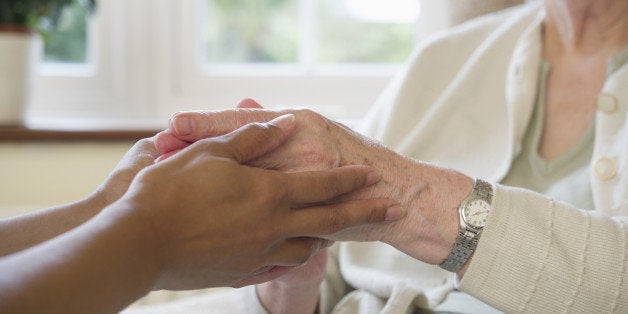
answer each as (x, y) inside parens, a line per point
(21, 133)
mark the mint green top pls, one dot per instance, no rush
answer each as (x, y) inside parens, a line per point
(566, 177)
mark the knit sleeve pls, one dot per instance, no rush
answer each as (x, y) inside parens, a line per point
(542, 256)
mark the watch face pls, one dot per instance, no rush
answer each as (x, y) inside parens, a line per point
(476, 212)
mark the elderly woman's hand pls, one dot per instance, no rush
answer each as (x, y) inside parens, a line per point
(317, 144)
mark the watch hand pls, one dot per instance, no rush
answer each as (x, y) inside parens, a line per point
(477, 213)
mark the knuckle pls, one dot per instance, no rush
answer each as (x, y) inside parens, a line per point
(316, 119)
(209, 129)
(144, 149)
(145, 143)
(310, 116)
(241, 116)
(307, 113)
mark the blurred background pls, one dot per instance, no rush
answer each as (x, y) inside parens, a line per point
(145, 59)
(129, 64)
(103, 79)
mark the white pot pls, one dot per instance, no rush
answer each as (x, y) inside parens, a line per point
(19, 56)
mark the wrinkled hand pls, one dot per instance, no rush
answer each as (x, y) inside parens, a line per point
(318, 143)
(428, 195)
(219, 223)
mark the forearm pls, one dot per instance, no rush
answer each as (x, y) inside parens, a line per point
(99, 267)
(19, 233)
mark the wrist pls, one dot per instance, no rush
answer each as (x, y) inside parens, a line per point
(140, 238)
(473, 213)
(431, 197)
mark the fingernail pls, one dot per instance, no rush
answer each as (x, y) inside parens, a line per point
(394, 213)
(284, 121)
(373, 177)
(182, 125)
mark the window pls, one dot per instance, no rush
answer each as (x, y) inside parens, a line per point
(354, 31)
(145, 59)
(67, 41)
(307, 32)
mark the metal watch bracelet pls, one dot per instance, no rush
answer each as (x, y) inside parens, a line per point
(468, 236)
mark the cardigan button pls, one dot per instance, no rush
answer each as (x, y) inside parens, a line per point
(605, 168)
(606, 103)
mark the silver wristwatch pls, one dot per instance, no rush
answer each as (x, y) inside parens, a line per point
(473, 212)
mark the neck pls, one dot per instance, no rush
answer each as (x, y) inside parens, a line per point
(587, 26)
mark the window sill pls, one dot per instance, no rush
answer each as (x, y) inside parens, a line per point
(80, 131)
(45, 135)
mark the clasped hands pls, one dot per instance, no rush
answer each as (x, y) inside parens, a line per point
(214, 222)
(316, 144)
(428, 225)
(424, 193)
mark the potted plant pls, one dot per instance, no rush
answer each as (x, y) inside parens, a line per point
(22, 24)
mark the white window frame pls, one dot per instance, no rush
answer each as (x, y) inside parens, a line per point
(145, 65)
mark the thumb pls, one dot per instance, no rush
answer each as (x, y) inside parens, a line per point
(253, 140)
(249, 103)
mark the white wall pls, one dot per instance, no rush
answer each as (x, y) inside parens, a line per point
(36, 175)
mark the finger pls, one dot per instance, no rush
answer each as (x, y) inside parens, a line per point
(166, 142)
(318, 186)
(249, 103)
(166, 156)
(325, 220)
(195, 125)
(253, 140)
